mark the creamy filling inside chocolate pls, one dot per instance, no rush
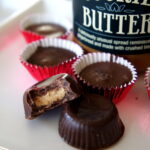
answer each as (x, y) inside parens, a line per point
(50, 97)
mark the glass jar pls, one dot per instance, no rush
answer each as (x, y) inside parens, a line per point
(120, 27)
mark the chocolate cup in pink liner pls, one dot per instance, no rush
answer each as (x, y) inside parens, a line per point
(107, 74)
(39, 26)
(147, 80)
(47, 57)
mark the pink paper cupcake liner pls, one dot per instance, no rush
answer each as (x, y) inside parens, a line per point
(117, 93)
(41, 18)
(147, 81)
(41, 73)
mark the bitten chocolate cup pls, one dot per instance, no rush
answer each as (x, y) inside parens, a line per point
(147, 80)
(39, 26)
(107, 74)
(48, 57)
(91, 122)
(48, 94)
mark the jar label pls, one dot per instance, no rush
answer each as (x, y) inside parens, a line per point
(116, 26)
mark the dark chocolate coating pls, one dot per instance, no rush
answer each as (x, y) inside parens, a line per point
(48, 94)
(50, 56)
(106, 74)
(46, 29)
(91, 122)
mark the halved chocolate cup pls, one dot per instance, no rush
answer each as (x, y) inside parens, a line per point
(48, 94)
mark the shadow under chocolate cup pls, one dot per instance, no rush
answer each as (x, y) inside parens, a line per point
(39, 26)
(147, 81)
(47, 57)
(106, 74)
(91, 122)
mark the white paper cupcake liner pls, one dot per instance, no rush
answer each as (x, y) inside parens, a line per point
(40, 72)
(116, 93)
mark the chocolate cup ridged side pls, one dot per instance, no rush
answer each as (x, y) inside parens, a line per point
(84, 136)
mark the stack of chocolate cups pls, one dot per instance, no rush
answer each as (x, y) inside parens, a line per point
(92, 121)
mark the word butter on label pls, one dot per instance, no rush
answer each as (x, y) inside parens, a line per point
(116, 26)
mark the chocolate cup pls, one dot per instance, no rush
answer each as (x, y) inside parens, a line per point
(49, 94)
(115, 93)
(90, 134)
(40, 73)
(35, 19)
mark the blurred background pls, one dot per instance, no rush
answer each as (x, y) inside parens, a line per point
(13, 11)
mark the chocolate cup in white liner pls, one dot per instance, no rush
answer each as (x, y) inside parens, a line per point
(43, 18)
(116, 93)
(147, 80)
(43, 72)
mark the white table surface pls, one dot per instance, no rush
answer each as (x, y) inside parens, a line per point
(16, 133)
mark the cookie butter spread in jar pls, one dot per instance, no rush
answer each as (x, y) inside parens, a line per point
(120, 27)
